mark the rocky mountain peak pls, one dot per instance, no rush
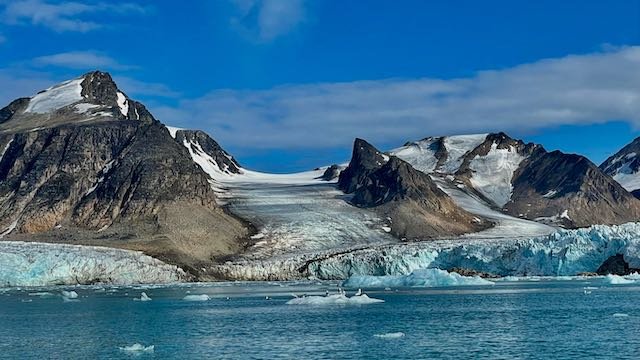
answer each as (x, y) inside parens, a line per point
(364, 160)
(624, 166)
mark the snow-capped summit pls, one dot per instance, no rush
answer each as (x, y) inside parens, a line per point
(523, 180)
(624, 167)
(92, 97)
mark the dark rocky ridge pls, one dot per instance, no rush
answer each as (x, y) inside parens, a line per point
(549, 183)
(625, 161)
(124, 183)
(224, 160)
(418, 209)
(331, 173)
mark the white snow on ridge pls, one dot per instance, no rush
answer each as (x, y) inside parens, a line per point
(492, 173)
(457, 147)
(173, 131)
(6, 147)
(419, 154)
(629, 181)
(40, 264)
(84, 107)
(56, 97)
(123, 103)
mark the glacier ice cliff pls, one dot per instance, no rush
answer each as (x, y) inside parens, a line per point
(565, 252)
(40, 264)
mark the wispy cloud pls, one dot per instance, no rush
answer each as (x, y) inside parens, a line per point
(577, 89)
(88, 59)
(269, 19)
(63, 16)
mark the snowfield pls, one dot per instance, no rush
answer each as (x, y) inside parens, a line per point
(40, 264)
(56, 97)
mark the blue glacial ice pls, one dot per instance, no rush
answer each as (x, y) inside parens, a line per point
(418, 278)
(39, 264)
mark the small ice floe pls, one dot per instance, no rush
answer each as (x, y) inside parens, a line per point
(340, 298)
(619, 315)
(587, 292)
(386, 229)
(201, 297)
(617, 280)
(394, 335)
(41, 294)
(69, 296)
(143, 297)
(138, 348)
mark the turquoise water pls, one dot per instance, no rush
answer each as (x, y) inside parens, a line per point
(530, 320)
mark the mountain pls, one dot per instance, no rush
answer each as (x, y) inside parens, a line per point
(83, 163)
(624, 167)
(416, 207)
(524, 180)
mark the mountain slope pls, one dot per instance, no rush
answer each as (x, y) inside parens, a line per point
(624, 167)
(82, 163)
(415, 205)
(524, 180)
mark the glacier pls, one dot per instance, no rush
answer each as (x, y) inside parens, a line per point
(418, 278)
(561, 253)
(43, 264)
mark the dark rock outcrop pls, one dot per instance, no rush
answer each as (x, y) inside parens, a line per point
(571, 188)
(418, 209)
(200, 142)
(124, 183)
(615, 265)
(365, 159)
(331, 173)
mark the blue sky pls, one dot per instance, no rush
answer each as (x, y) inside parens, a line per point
(286, 85)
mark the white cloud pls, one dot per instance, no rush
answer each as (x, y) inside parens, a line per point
(577, 89)
(62, 16)
(269, 19)
(87, 59)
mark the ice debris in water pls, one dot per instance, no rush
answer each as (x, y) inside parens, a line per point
(69, 294)
(617, 280)
(201, 297)
(418, 278)
(620, 315)
(394, 335)
(143, 297)
(340, 298)
(138, 348)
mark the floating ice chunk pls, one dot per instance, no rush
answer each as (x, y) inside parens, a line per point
(617, 280)
(139, 348)
(143, 297)
(633, 276)
(394, 335)
(201, 297)
(69, 294)
(386, 228)
(334, 299)
(41, 294)
(418, 278)
(620, 315)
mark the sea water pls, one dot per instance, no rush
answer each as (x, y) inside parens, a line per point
(587, 318)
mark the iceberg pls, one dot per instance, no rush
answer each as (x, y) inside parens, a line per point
(138, 348)
(617, 280)
(334, 299)
(69, 294)
(201, 297)
(143, 297)
(41, 264)
(395, 335)
(418, 278)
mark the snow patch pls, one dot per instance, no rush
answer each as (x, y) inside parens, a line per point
(457, 147)
(492, 173)
(123, 103)
(56, 97)
(418, 278)
(421, 154)
(84, 107)
(173, 131)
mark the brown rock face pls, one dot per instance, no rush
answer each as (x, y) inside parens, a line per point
(124, 183)
(417, 207)
(570, 187)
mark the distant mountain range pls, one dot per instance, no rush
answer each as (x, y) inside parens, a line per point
(82, 163)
